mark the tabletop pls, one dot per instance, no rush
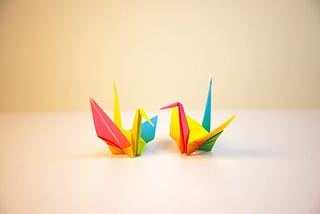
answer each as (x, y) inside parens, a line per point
(264, 162)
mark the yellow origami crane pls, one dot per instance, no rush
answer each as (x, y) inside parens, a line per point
(191, 135)
(131, 142)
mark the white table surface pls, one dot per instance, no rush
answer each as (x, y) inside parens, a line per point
(264, 162)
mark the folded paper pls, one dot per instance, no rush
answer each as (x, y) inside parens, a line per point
(119, 140)
(190, 135)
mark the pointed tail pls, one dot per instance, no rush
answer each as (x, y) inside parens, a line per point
(206, 121)
(116, 108)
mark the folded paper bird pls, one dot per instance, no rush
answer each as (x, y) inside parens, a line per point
(120, 141)
(191, 135)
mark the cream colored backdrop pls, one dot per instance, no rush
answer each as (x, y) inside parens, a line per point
(54, 55)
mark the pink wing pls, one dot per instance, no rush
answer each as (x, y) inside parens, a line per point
(106, 129)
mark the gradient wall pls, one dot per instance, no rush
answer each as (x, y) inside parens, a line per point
(54, 55)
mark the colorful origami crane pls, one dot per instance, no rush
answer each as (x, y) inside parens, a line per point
(120, 141)
(191, 135)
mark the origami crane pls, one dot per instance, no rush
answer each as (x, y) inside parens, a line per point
(191, 135)
(120, 141)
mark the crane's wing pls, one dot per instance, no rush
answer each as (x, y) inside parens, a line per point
(213, 135)
(196, 132)
(208, 144)
(108, 131)
(148, 130)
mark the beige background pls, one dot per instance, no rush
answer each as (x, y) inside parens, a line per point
(262, 54)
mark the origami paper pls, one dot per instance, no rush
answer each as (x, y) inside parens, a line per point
(120, 141)
(190, 135)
